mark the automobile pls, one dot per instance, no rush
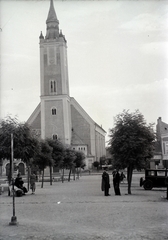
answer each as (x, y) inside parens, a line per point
(154, 178)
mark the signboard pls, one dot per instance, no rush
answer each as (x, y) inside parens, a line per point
(157, 157)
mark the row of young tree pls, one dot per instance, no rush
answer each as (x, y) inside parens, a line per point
(37, 153)
(131, 146)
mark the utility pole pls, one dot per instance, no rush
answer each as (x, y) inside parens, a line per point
(13, 218)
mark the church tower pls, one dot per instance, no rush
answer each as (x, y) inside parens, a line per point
(55, 99)
(59, 116)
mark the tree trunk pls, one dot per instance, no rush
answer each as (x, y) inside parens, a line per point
(74, 169)
(28, 178)
(129, 178)
(62, 175)
(50, 175)
(42, 181)
(69, 178)
(10, 172)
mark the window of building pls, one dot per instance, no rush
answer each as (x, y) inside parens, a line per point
(54, 111)
(53, 87)
(165, 148)
(58, 58)
(55, 137)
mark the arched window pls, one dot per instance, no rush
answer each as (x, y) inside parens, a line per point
(55, 137)
(54, 111)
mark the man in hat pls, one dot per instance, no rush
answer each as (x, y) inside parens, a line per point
(116, 182)
(105, 182)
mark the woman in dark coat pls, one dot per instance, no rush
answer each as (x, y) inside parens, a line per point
(116, 182)
(105, 183)
(19, 183)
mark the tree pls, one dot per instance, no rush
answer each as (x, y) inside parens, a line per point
(131, 143)
(96, 165)
(68, 162)
(24, 145)
(58, 152)
(102, 160)
(79, 161)
(43, 158)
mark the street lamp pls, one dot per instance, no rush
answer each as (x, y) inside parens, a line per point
(13, 218)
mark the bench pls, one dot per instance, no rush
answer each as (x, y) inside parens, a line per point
(3, 187)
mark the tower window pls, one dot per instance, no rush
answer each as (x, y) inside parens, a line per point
(54, 111)
(58, 58)
(55, 137)
(53, 86)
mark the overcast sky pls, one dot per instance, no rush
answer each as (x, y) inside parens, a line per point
(117, 56)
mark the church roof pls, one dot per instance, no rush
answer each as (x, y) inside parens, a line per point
(85, 114)
(76, 140)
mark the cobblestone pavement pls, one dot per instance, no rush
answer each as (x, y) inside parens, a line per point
(77, 210)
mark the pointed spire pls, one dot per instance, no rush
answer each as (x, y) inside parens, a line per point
(61, 35)
(52, 23)
(41, 36)
(52, 17)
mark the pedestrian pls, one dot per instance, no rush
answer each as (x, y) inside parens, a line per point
(19, 184)
(122, 176)
(116, 182)
(18, 181)
(33, 182)
(105, 185)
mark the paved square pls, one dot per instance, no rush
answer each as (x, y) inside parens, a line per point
(78, 210)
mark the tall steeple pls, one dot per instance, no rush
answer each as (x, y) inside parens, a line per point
(55, 99)
(52, 23)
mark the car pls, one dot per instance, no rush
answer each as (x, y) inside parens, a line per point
(154, 178)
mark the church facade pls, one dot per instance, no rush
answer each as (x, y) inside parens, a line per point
(59, 116)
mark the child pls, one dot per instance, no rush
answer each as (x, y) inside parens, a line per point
(32, 182)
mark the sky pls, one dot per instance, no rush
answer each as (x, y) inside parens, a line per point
(117, 56)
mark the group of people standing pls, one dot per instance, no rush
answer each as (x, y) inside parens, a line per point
(106, 182)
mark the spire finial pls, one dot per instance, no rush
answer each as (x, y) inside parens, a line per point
(52, 23)
(52, 14)
(41, 35)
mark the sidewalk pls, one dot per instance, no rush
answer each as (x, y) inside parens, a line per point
(77, 210)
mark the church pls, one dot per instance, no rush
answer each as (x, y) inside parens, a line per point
(59, 116)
